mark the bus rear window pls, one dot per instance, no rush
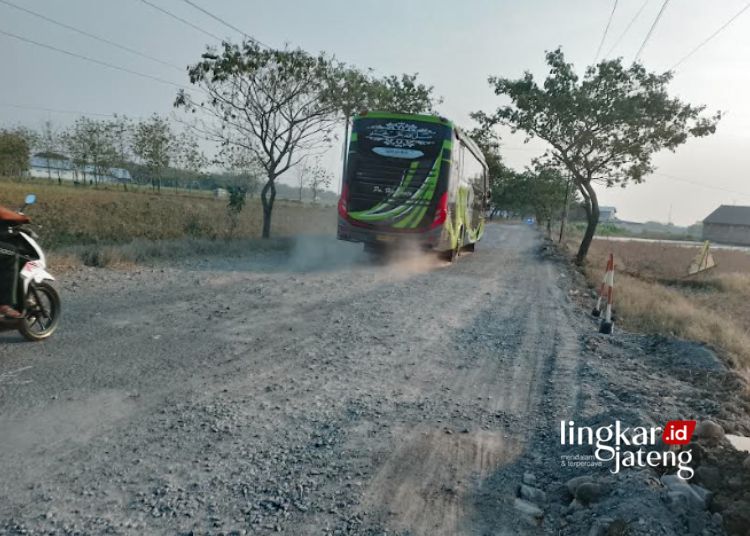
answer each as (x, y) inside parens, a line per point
(397, 138)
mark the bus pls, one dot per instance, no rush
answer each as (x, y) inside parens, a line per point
(412, 179)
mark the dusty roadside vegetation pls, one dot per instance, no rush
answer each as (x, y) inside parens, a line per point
(653, 294)
(101, 227)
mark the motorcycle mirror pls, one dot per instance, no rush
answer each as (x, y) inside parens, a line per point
(30, 199)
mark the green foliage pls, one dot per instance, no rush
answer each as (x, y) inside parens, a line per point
(314, 176)
(402, 94)
(500, 175)
(351, 90)
(245, 170)
(235, 204)
(14, 154)
(539, 191)
(610, 229)
(237, 197)
(32, 137)
(91, 143)
(270, 103)
(348, 89)
(154, 144)
(603, 128)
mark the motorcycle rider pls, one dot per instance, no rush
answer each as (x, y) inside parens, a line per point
(8, 269)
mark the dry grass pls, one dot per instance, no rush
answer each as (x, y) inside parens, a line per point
(108, 227)
(653, 294)
(659, 260)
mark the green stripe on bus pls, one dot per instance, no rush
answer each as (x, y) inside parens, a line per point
(414, 219)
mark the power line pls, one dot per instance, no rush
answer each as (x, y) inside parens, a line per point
(222, 21)
(53, 110)
(718, 188)
(93, 60)
(91, 36)
(184, 21)
(717, 32)
(651, 30)
(606, 30)
(627, 28)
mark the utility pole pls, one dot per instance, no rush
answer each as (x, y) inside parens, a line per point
(565, 210)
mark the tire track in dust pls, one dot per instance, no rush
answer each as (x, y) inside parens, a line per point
(424, 485)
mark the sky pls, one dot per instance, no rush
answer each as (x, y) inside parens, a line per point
(454, 46)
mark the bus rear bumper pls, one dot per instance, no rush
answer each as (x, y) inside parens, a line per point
(430, 239)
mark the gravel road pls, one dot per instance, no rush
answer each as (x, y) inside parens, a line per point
(314, 392)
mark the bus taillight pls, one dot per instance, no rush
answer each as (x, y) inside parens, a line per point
(342, 201)
(441, 214)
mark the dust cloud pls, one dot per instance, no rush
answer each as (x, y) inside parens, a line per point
(320, 253)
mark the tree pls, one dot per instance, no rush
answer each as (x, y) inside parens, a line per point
(74, 142)
(403, 94)
(302, 175)
(14, 154)
(317, 178)
(269, 102)
(30, 135)
(319, 181)
(352, 90)
(49, 144)
(154, 145)
(245, 170)
(546, 193)
(349, 90)
(189, 157)
(602, 129)
(91, 146)
(122, 132)
(235, 204)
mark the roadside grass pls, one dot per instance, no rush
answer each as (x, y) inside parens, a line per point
(654, 295)
(141, 251)
(105, 227)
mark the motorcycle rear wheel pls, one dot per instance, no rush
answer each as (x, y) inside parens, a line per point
(43, 309)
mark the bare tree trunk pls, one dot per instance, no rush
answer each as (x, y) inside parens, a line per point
(591, 204)
(267, 197)
(565, 211)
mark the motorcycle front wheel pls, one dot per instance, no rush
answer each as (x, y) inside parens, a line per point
(42, 312)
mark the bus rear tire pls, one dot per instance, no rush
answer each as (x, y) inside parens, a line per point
(453, 254)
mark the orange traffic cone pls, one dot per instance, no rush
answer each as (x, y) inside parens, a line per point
(607, 292)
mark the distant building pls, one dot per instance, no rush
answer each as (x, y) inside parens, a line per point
(728, 224)
(607, 214)
(578, 213)
(51, 166)
(60, 167)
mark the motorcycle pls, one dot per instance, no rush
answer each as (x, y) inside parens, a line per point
(36, 298)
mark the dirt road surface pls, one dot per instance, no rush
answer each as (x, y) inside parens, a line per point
(314, 392)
